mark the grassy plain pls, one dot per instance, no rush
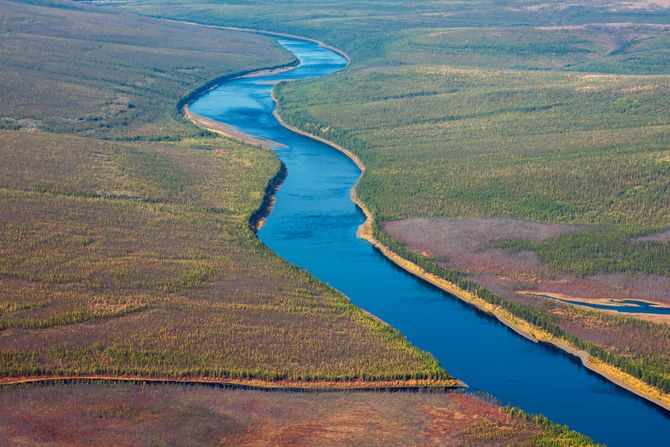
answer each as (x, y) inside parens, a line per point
(130, 415)
(125, 245)
(552, 113)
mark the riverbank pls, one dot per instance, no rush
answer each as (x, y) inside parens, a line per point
(522, 327)
(357, 161)
(219, 127)
(257, 384)
(257, 218)
(224, 130)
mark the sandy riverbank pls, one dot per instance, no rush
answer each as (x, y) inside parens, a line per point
(225, 130)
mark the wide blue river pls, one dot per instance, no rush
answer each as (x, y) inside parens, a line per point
(313, 225)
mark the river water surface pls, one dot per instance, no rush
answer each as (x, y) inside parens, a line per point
(313, 225)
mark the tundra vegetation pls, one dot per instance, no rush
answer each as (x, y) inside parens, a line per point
(550, 113)
(124, 239)
(127, 414)
(126, 246)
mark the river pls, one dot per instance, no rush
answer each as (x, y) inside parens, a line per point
(313, 225)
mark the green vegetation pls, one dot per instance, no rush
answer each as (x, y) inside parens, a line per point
(128, 414)
(607, 251)
(549, 112)
(125, 250)
(599, 48)
(552, 434)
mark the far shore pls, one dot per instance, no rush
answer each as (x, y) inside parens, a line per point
(264, 32)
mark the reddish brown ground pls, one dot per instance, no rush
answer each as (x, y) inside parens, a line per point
(458, 244)
(133, 415)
